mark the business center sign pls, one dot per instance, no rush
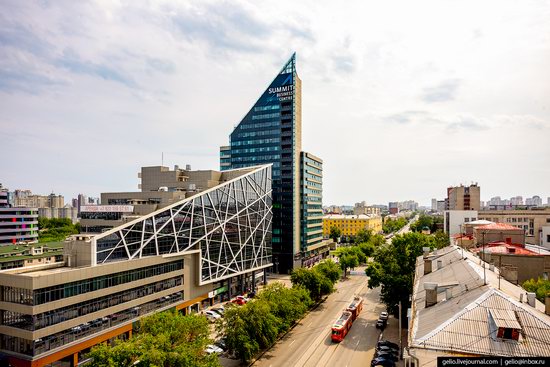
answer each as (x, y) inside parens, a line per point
(107, 208)
(284, 92)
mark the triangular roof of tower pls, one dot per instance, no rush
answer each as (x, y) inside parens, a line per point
(288, 67)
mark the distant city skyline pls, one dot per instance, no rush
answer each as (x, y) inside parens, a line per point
(399, 104)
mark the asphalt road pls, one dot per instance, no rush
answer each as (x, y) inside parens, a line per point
(309, 343)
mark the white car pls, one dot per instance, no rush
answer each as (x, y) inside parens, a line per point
(212, 315)
(383, 315)
(213, 349)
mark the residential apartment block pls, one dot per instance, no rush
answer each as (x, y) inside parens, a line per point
(349, 225)
(463, 197)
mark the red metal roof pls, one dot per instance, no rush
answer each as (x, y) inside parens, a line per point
(506, 248)
(499, 226)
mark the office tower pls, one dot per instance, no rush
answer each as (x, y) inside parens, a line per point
(271, 133)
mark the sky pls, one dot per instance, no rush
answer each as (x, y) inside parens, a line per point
(400, 98)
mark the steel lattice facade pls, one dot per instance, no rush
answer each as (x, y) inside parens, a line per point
(230, 225)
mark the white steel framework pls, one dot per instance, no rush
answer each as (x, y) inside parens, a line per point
(229, 224)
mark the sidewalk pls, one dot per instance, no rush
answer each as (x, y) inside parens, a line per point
(391, 333)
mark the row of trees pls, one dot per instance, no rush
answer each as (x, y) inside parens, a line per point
(430, 221)
(393, 267)
(257, 324)
(394, 225)
(541, 287)
(165, 339)
(56, 229)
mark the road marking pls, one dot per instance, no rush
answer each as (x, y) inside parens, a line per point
(311, 323)
(292, 342)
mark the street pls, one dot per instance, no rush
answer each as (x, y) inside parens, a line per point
(309, 343)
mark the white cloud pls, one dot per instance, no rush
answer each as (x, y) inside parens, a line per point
(400, 99)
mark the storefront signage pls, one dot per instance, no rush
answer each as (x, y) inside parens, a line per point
(215, 292)
(107, 208)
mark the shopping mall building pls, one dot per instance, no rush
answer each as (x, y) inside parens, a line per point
(190, 254)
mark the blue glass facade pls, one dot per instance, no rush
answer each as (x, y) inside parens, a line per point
(271, 133)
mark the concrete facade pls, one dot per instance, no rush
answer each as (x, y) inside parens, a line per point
(55, 312)
(463, 197)
(531, 221)
(453, 220)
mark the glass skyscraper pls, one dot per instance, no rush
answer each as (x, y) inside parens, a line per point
(271, 133)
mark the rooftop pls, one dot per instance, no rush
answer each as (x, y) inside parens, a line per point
(344, 216)
(505, 248)
(500, 227)
(469, 311)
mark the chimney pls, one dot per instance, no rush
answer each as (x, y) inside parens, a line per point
(531, 297)
(439, 264)
(431, 293)
(521, 298)
(547, 304)
(188, 167)
(426, 251)
(427, 266)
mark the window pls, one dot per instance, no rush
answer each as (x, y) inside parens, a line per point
(548, 238)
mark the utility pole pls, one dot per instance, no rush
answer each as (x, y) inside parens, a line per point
(400, 346)
(484, 276)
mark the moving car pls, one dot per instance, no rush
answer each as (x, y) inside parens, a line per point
(383, 315)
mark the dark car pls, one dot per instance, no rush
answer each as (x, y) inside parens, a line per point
(386, 355)
(384, 348)
(387, 343)
(382, 362)
(381, 324)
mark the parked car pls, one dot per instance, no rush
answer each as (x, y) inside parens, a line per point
(383, 315)
(382, 362)
(384, 348)
(220, 343)
(240, 300)
(211, 315)
(387, 344)
(219, 310)
(213, 349)
(381, 324)
(386, 355)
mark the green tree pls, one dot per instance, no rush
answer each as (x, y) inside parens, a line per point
(56, 229)
(393, 225)
(329, 269)
(335, 233)
(287, 304)
(393, 268)
(250, 328)
(165, 339)
(313, 280)
(540, 286)
(363, 235)
(441, 239)
(348, 261)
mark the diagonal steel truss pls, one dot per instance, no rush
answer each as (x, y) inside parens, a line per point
(229, 224)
